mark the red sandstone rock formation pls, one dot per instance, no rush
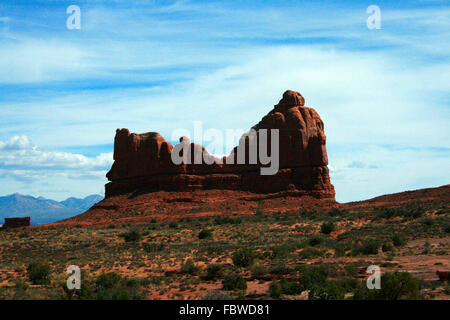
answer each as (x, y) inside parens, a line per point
(143, 161)
(17, 222)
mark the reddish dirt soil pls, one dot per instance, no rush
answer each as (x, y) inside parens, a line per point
(168, 206)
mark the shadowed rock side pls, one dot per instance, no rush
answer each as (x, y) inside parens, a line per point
(142, 162)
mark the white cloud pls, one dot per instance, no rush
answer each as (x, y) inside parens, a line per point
(19, 152)
(23, 165)
(16, 143)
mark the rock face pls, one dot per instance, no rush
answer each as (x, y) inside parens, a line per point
(142, 162)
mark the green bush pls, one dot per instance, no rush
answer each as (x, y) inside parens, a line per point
(387, 247)
(310, 253)
(243, 257)
(275, 290)
(369, 246)
(339, 251)
(315, 240)
(173, 225)
(205, 234)
(394, 286)
(20, 285)
(133, 235)
(111, 286)
(280, 268)
(280, 252)
(397, 240)
(330, 291)
(258, 271)
(348, 284)
(39, 273)
(108, 280)
(410, 211)
(214, 271)
(234, 283)
(336, 212)
(290, 287)
(327, 227)
(153, 247)
(427, 222)
(188, 267)
(351, 270)
(312, 276)
(227, 220)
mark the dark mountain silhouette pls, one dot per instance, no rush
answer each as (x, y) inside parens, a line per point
(42, 210)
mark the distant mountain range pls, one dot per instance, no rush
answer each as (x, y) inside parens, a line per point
(42, 210)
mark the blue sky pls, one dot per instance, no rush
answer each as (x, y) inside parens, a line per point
(161, 65)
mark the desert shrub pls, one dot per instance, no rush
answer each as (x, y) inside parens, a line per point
(24, 234)
(188, 267)
(281, 251)
(315, 240)
(173, 225)
(234, 283)
(447, 229)
(426, 247)
(309, 214)
(394, 286)
(340, 250)
(133, 235)
(243, 257)
(227, 220)
(20, 285)
(280, 268)
(290, 287)
(153, 247)
(348, 284)
(214, 271)
(108, 280)
(216, 295)
(310, 253)
(312, 276)
(427, 222)
(386, 213)
(39, 273)
(369, 246)
(409, 211)
(111, 286)
(329, 291)
(351, 270)
(275, 290)
(156, 280)
(336, 212)
(398, 240)
(387, 247)
(216, 248)
(258, 271)
(327, 227)
(205, 233)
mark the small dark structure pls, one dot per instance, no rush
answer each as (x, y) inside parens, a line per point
(17, 222)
